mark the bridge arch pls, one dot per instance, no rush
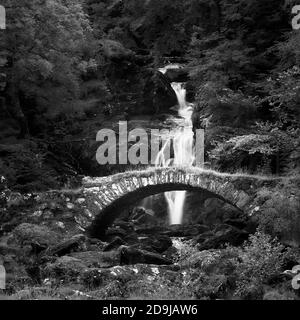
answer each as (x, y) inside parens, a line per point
(106, 195)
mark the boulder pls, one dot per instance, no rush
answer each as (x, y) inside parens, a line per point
(146, 230)
(211, 262)
(98, 259)
(125, 225)
(158, 95)
(159, 243)
(224, 234)
(76, 243)
(113, 232)
(177, 75)
(35, 235)
(66, 267)
(95, 277)
(114, 244)
(131, 255)
(141, 216)
(181, 230)
(216, 211)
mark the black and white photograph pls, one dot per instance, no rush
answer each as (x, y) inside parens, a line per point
(149, 151)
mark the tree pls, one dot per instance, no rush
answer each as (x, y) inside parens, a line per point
(44, 41)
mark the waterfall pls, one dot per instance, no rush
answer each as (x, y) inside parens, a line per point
(184, 152)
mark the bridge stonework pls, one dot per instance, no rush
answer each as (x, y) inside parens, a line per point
(107, 196)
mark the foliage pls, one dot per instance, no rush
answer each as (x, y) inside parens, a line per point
(160, 288)
(283, 96)
(278, 211)
(223, 107)
(26, 167)
(260, 259)
(226, 64)
(236, 48)
(289, 50)
(45, 40)
(251, 152)
(185, 249)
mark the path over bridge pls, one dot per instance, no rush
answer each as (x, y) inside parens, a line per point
(107, 196)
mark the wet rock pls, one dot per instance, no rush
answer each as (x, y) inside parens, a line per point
(113, 232)
(125, 225)
(158, 243)
(185, 230)
(171, 253)
(131, 255)
(215, 212)
(144, 230)
(98, 259)
(177, 75)
(76, 243)
(211, 261)
(66, 267)
(223, 234)
(32, 234)
(95, 277)
(158, 95)
(115, 244)
(95, 245)
(203, 260)
(141, 216)
(131, 238)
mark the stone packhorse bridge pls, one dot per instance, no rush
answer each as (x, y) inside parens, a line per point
(108, 196)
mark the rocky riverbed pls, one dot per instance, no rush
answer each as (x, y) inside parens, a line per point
(48, 254)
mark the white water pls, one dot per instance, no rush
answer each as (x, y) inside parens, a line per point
(184, 152)
(170, 66)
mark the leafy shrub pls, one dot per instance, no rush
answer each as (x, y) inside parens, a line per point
(224, 107)
(252, 152)
(26, 167)
(186, 249)
(260, 259)
(282, 95)
(278, 211)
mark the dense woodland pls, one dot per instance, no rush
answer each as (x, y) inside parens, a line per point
(65, 61)
(71, 67)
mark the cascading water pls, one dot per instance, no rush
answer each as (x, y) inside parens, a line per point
(184, 151)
